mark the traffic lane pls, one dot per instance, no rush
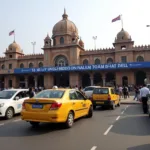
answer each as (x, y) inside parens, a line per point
(130, 132)
(3, 120)
(85, 133)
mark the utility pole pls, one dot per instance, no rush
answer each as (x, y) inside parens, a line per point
(95, 38)
(33, 44)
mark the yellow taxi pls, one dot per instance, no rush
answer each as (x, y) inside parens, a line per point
(56, 106)
(105, 96)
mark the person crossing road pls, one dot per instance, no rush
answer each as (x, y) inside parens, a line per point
(144, 92)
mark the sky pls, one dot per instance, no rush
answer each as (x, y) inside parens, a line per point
(33, 19)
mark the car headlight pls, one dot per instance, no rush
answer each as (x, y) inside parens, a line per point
(2, 104)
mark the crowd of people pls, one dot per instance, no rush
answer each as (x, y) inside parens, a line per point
(141, 93)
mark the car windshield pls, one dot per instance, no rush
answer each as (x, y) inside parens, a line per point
(50, 94)
(7, 94)
(100, 91)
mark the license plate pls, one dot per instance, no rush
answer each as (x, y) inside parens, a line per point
(99, 102)
(40, 106)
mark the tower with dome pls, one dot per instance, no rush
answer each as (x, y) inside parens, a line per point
(65, 62)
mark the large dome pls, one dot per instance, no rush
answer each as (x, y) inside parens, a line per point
(65, 26)
(14, 47)
(123, 35)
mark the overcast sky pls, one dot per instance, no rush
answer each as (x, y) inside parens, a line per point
(33, 19)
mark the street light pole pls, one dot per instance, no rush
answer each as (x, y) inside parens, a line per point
(33, 43)
(95, 38)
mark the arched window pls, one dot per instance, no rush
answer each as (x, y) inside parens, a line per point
(139, 59)
(109, 61)
(40, 64)
(61, 40)
(97, 61)
(31, 65)
(21, 65)
(61, 61)
(3, 66)
(85, 62)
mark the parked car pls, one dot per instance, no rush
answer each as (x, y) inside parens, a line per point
(88, 91)
(105, 96)
(56, 106)
(11, 101)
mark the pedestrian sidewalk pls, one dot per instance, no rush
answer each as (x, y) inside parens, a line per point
(129, 101)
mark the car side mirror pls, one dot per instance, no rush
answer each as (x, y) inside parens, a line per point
(17, 98)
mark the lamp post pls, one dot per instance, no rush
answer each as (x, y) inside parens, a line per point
(33, 44)
(95, 38)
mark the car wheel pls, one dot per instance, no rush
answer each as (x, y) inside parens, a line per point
(90, 113)
(70, 120)
(9, 113)
(94, 107)
(118, 104)
(113, 106)
(34, 124)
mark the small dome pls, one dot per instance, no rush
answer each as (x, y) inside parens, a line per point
(47, 37)
(81, 43)
(65, 26)
(14, 47)
(123, 35)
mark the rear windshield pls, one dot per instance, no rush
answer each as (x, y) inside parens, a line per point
(50, 94)
(89, 89)
(100, 91)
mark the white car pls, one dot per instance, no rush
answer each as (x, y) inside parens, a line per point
(11, 101)
(88, 91)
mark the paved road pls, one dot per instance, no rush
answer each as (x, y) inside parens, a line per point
(125, 128)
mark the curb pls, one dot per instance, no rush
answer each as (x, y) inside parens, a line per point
(130, 103)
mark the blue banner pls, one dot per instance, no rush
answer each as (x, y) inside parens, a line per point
(131, 65)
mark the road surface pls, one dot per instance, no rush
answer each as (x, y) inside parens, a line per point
(125, 128)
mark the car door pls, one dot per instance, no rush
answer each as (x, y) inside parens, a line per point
(75, 103)
(22, 95)
(114, 96)
(82, 101)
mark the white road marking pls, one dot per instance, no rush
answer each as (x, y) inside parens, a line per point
(1, 124)
(108, 130)
(126, 107)
(122, 112)
(17, 120)
(118, 118)
(94, 148)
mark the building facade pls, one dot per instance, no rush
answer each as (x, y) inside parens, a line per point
(65, 62)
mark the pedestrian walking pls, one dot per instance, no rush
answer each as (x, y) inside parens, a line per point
(125, 92)
(137, 92)
(120, 91)
(76, 87)
(144, 94)
(128, 94)
(31, 92)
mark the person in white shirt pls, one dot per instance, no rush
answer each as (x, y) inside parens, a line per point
(120, 91)
(144, 92)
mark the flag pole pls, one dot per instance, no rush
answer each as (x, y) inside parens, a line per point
(14, 35)
(121, 21)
